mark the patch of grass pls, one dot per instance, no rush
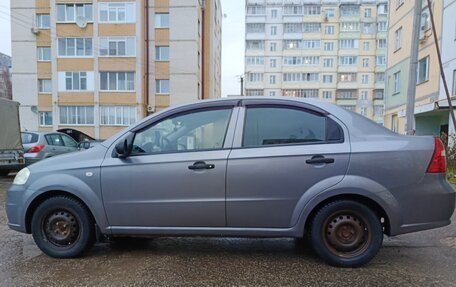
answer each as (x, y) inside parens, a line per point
(451, 174)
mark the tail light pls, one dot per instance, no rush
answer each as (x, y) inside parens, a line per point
(438, 161)
(36, 148)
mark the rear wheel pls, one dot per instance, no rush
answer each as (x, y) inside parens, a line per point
(62, 227)
(346, 233)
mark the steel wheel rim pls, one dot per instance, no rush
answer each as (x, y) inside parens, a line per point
(61, 228)
(346, 234)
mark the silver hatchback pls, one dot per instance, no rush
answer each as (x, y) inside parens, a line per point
(251, 167)
(42, 145)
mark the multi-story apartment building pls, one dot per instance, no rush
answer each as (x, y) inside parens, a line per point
(430, 119)
(100, 65)
(333, 50)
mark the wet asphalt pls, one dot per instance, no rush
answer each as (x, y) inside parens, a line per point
(421, 259)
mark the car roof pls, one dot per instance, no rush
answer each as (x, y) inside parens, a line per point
(41, 133)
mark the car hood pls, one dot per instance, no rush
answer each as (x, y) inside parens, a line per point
(85, 159)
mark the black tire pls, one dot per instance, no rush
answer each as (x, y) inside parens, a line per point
(346, 233)
(4, 172)
(63, 228)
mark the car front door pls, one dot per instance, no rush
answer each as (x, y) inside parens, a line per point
(279, 153)
(70, 144)
(175, 175)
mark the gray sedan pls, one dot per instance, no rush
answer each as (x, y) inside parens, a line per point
(42, 145)
(246, 167)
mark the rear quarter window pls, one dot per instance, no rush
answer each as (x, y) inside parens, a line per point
(28, 138)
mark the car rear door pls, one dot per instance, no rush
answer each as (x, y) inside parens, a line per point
(280, 152)
(175, 176)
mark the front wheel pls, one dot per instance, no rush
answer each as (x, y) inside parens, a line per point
(346, 233)
(62, 227)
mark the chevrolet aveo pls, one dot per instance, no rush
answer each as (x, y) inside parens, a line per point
(247, 167)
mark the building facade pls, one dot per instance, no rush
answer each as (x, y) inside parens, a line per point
(5, 77)
(331, 50)
(430, 119)
(98, 66)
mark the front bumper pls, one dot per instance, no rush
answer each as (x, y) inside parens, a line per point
(14, 206)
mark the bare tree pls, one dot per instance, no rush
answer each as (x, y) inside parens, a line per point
(6, 86)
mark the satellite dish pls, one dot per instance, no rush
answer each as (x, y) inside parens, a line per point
(81, 22)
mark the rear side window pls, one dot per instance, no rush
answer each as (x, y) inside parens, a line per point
(281, 126)
(28, 138)
(54, 140)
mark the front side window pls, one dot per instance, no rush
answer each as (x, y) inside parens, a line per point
(266, 126)
(203, 130)
(69, 142)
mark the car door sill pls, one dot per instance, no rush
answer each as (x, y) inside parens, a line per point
(203, 231)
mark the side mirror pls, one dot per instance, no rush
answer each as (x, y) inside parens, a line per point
(123, 148)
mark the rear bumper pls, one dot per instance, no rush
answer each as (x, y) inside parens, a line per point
(430, 204)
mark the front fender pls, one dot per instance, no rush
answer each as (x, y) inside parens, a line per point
(87, 190)
(349, 186)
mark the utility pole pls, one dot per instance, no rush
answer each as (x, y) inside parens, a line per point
(242, 85)
(415, 48)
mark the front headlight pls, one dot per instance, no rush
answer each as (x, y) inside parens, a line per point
(22, 176)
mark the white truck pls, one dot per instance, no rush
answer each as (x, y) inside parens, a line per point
(11, 150)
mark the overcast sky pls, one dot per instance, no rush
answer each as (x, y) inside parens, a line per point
(232, 44)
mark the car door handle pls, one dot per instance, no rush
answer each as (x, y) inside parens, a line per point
(319, 159)
(199, 165)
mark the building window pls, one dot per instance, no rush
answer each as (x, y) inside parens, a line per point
(44, 86)
(312, 10)
(301, 93)
(365, 79)
(255, 28)
(327, 79)
(381, 60)
(382, 26)
(330, 13)
(366, 46)
(117, 46)
(273, 63)
(397, 82)
(272, 93)
(272, 80)
(381, 43)
(349, 26)
(117, 81)
(162, 20)
(378, 111)
(75, 81)
(162, 87)
(327, 95)
(348, 60)
(293, 28)
(368, 28)
(255, 45)
(346, 94)
(256, 10)
(329, 46)
(329, 30)
(367, 13)
(273, 30)
(274, 13)
(273, 47)
(293, 10)
(44, 54)
(363, 111)
(255, 77)
(425, 20)
(348, 44)
(117, 12)
(43, 21)
(45, 119)
(398, 39)
(162, 53)
(328, 62)
(70, 12)
(347, 77)
(76, 115)
(379, 94)
(423, 70)
(75, 47)
(254, 92)
(366, 62)
(382, 9)
(380, 77)
(301, 77)
(364, 95)
(311, 28)
(349, 10)
(301, 61)
(117, 115)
